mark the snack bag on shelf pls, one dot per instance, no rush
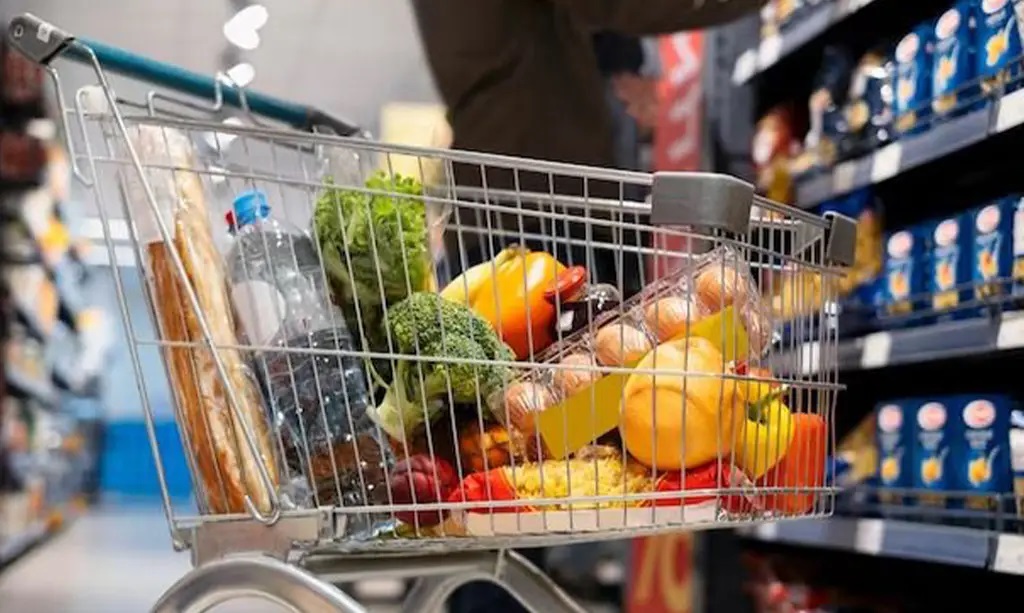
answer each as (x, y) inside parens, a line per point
(227, 470)
(953, 67)
(933, 435)
(999, 43)
(912, 82)
(992, 253)
(867, 116)
(894, 427)
(862, 206)
(982, 453)
(948, 271)
(774, 147)
(903, 272)
(831, 85)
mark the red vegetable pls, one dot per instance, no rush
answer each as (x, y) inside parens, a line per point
(803, 466)
(420, 480)
(705, 477)
(486, 487)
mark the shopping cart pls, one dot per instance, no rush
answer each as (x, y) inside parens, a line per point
(523, 353)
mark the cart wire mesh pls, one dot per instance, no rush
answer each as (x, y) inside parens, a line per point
(474, 351)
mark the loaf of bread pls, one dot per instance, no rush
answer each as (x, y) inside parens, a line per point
(225, 467)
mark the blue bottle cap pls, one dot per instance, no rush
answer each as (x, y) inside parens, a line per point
(250, 206)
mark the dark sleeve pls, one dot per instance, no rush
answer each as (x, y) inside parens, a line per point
(657, 16)
(618, 53)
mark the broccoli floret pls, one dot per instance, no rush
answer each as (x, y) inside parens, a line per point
(426, 325)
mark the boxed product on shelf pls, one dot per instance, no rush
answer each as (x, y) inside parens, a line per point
(1016, 209)
(1017, 459)
(913, 84)
(932, 462)
(953, 67)
(903, 272)
(861, 206)
(948, 266)
(982, 454)
(893, 436)
(998, 43)
(992, 252)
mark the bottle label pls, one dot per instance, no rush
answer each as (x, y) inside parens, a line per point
(260, 309)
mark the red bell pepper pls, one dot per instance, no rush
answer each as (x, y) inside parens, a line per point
(485, 487)
(710, 476)
(802, 467)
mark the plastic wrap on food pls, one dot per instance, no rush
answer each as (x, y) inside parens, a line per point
(227, 467)
(724, 280)
(517, 408)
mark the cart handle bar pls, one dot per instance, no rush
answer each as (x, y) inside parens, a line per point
(42, 42)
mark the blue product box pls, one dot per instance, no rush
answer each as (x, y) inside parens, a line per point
(893, 436)
(913, 80)
(953, 62)
(903, 273)
(992, 257)
(1015, 206)
(931, 459)
(998, 43)
(982, 454)
(949, 267)
(1017, 459)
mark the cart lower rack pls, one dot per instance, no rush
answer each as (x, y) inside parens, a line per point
(375, 373)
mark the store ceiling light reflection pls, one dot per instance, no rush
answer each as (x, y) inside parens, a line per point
(242, 30)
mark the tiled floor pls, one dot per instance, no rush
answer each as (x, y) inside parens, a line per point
(111, 561)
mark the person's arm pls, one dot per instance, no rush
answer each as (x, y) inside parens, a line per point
(657, 16)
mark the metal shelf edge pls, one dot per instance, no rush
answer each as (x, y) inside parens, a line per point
(900, 539)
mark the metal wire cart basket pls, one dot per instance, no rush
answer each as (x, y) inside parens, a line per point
(469, 354)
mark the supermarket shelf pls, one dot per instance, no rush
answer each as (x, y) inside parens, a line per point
(910, 152)
(25, 386)
(12, 547)
(976, 336)
(901, 539)
(771, 50)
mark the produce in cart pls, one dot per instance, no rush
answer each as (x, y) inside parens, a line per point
(376, 249)
(451, 359)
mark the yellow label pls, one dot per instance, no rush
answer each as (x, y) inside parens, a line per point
(945, 300)
(586, 415)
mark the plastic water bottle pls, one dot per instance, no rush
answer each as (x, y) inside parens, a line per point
(319, 401)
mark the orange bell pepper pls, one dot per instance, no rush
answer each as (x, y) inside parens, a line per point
(803, 466)
(512, 300)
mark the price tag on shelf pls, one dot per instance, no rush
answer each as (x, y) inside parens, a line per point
(869, 536)
(1011, 332)
(842, 177)
(877, 348)
(1011, 111)
(886, 162)
(769, 51)
(1009, 554)
(768, 531)
(746, 65)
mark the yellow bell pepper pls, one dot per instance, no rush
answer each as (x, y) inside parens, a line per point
(768, 431)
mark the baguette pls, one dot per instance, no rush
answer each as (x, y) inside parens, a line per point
(226, 467)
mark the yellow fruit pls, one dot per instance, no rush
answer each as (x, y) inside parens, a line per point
(464, 288)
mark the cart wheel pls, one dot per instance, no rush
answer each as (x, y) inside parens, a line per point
(524, 581)
(253, 577)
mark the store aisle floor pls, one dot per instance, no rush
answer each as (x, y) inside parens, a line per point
(113, 560)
